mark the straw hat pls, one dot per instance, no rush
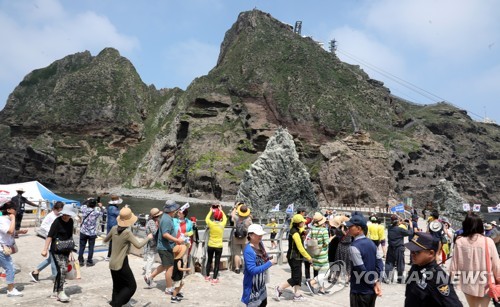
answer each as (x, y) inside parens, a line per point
(155, 212)
(335, 221)
(319, 219)
(20, 189)
(126, 218)
(179, 251)
(488, 226)
(243, 211)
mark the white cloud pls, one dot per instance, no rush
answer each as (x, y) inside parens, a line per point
(456, 29)
(188, 60)
(356, 47)
(36, 33)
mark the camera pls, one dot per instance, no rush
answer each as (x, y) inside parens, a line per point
(215, 206)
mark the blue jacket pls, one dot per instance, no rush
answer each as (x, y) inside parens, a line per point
(367, 265)
(112, 214)
(254, 283)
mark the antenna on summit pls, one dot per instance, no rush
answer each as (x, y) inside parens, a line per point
(298, 27)
(333, 45)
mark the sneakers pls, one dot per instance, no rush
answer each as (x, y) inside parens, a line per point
(207, 278)
(90, 263)
(309, 286)
(106, 258)
(237, 271)
(148, 281)
(299, 298)
(175, 299)
(214, 281)
(169, 291)
(62, 297)
(323, 292)
(179, 295)
(278, 293)
(34, 276)
(14, 292)
(82, 264)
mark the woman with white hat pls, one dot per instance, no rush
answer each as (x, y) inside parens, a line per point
(124, 285)
(60, 241)
(256, 264)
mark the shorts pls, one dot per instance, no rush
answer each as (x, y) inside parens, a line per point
(176, 283)
(273, 236)
(238, 249)
(166, 258)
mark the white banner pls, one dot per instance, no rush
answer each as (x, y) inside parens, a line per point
(466, 207)
(477, 208)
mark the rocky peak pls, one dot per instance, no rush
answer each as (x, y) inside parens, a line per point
(277, 176)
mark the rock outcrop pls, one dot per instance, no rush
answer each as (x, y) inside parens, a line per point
(277, 177)
(448, 201)
(355, 170)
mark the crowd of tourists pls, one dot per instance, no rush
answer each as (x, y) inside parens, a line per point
(367, 253)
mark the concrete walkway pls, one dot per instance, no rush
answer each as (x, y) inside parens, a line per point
(94, 288)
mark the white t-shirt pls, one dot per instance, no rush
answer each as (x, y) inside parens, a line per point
(5, 238)
(46, 223)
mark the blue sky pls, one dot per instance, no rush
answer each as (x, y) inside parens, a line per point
(449, 50)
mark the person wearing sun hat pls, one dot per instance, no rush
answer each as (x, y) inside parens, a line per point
(20, 201)
(433, 288)
(150, 250)
(178, 272)
(256, 264)
(121, 237)
(242, 220)
(60, 230)
(319, 255)
(295, 256)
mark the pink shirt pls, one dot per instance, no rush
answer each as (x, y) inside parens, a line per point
(469, 260)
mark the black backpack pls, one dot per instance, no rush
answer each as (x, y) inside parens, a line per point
(240, 230)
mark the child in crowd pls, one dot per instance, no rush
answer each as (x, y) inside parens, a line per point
(178, 273)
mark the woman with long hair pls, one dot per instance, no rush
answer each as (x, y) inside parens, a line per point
(296, 255)
(8, 243)
(60, 241)
(184, 228)
(469, 258)
(121, 237)
(215, 243)
(256, 264)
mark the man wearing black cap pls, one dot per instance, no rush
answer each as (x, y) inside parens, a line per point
(367, 265)
(427, 283)
(20, 201)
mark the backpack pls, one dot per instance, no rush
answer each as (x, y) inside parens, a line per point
(240, 230)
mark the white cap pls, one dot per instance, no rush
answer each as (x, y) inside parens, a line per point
(256, 229)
